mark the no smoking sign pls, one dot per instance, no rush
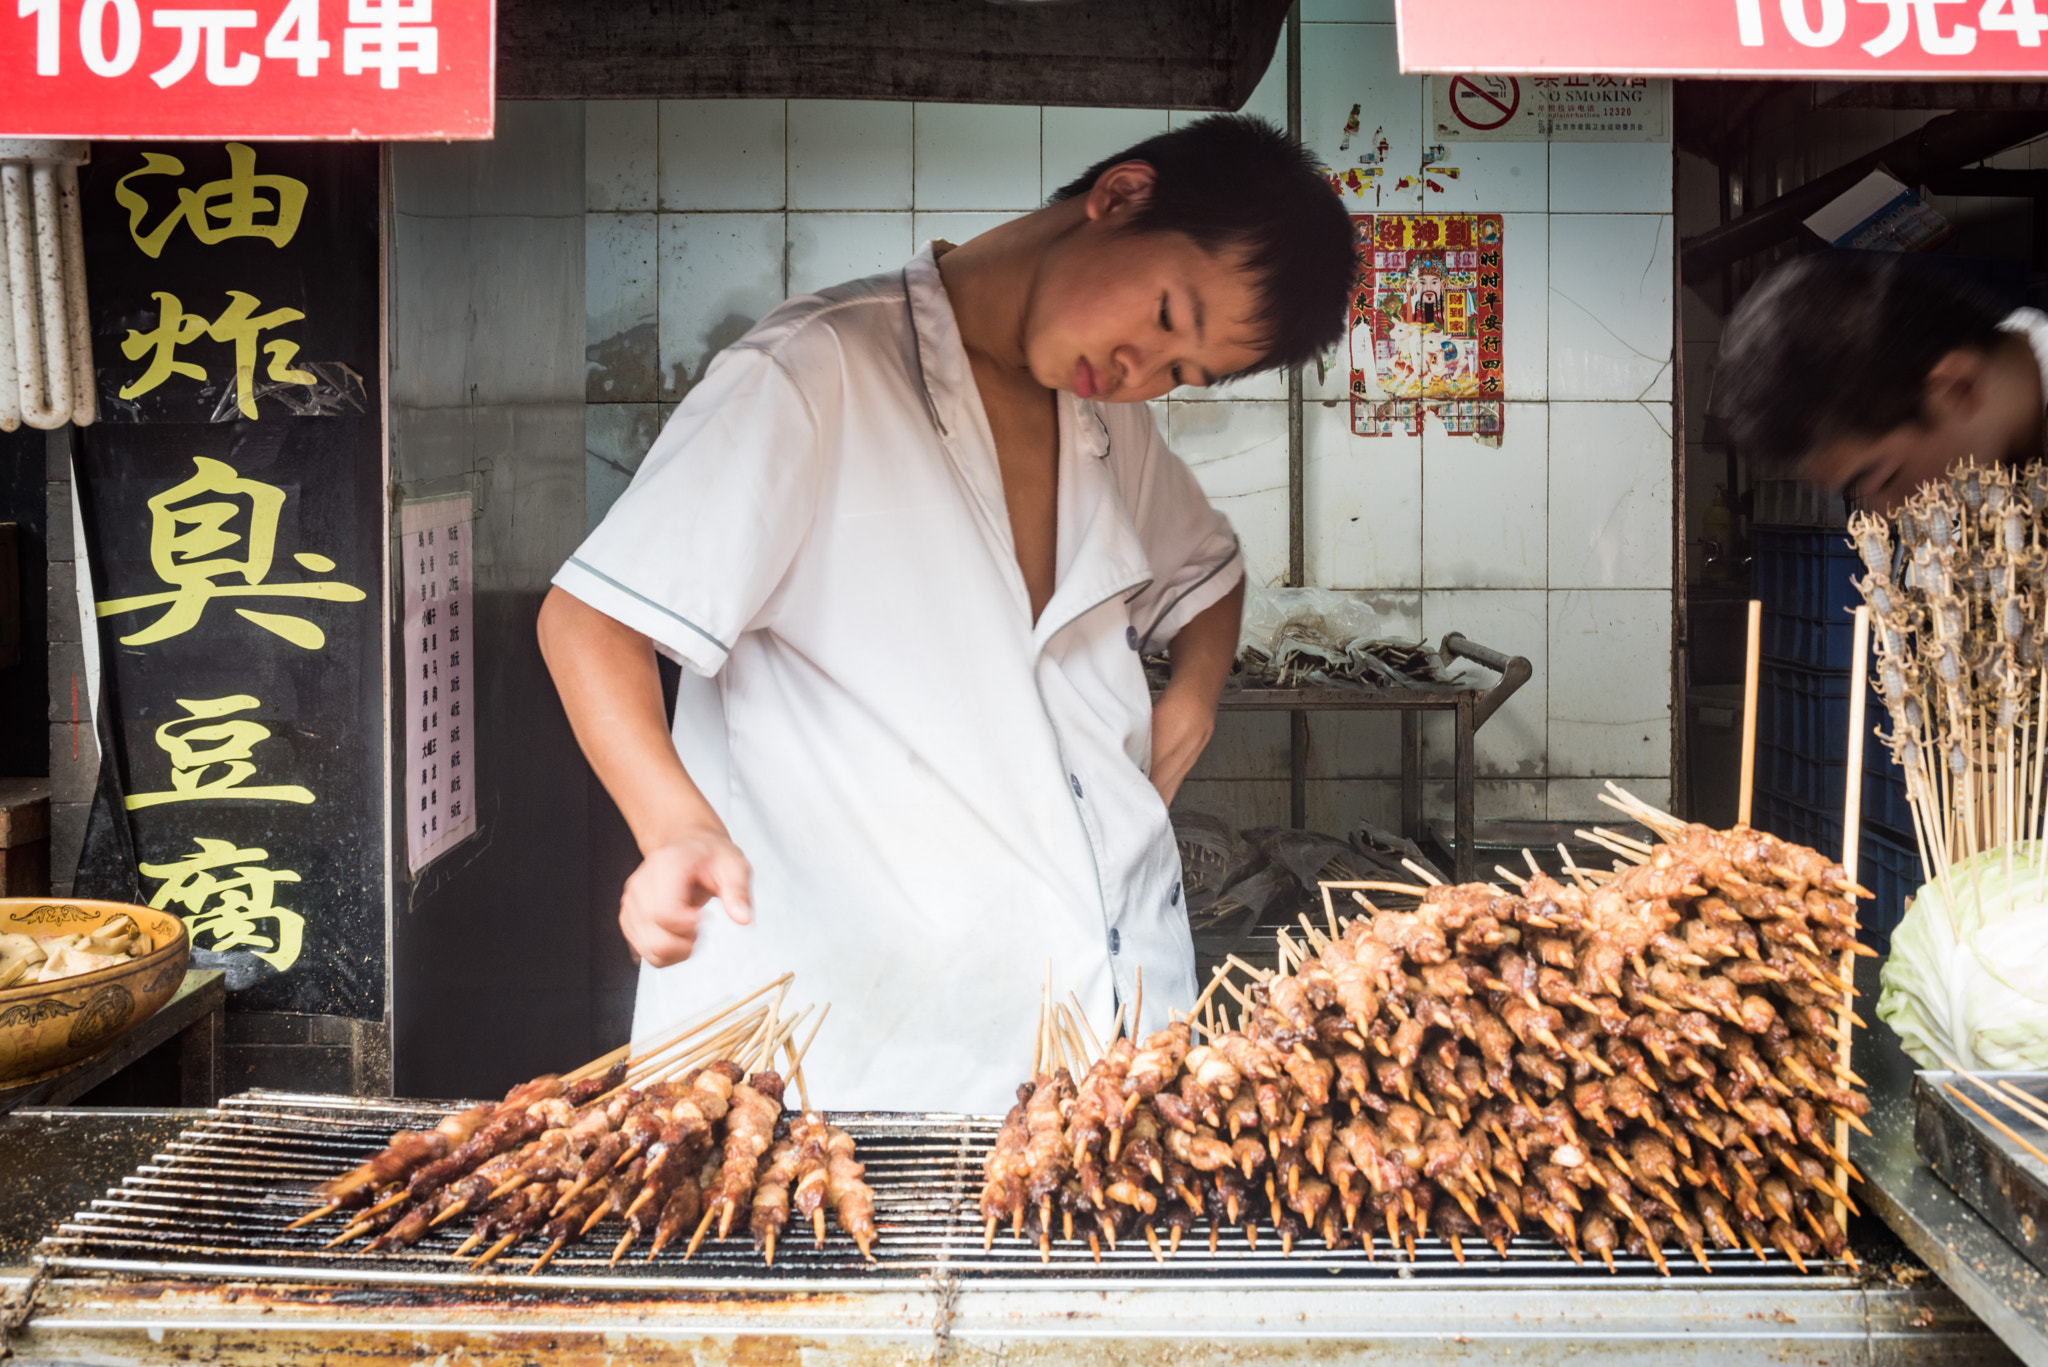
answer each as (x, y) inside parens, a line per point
(1484, 103)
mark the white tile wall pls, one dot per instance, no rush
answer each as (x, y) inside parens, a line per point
(1239, 453)
(1347, 64)
(976, 156)
(827, 249)
(719, 274)
(1362, 503)
(1610, 306)
(723, 154)
(849, 154)
(1493, 177)
(619, 154)
(1075, 139)
(1554, 544)
(1525, 304)
(1610, 682)
(1610, 177)
(1516, 741)
(1347, 12)
(1484, 507)
(619, 306)
(952, 227)
(1610, 497)
(616, 437)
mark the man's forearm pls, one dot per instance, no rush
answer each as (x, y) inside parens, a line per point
(1205, 649)
(1185, 716)
(611, 689)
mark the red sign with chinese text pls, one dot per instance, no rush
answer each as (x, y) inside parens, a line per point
(361, 70)
(1856, 40)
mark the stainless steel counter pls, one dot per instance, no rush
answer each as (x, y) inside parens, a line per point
(98, 1303)
(2003, 1289)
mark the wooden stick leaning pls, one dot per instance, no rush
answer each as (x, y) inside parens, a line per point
(1852, 833)
(1989, 1090)
(1752, 654)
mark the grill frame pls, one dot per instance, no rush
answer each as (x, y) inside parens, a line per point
(925, 1170)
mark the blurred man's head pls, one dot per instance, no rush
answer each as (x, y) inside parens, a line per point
(1873, 373)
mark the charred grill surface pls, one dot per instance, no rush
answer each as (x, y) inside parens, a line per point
(216, 1203)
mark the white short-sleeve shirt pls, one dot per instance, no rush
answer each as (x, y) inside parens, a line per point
(938, 796)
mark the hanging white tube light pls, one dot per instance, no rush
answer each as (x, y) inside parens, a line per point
(46, 376)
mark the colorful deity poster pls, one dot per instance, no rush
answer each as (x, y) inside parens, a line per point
(1426, 324)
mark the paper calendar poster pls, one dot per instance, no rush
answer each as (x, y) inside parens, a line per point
(1426, 324)
(439, 658)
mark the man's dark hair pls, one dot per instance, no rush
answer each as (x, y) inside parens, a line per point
(1238, 183)
(1838, 344)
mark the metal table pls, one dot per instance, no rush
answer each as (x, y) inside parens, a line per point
(1470, 707)
(1988, 1274)
(188, 1258)
(193, 1016)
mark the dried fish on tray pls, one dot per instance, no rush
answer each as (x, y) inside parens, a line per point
(1642, 1059)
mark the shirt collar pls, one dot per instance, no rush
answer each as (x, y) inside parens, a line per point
(2033, 325)
(1100, 555)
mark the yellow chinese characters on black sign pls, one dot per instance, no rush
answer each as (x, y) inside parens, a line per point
(235, 499)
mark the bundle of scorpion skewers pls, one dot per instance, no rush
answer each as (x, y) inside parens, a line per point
(1958, 591)
(1641, 1059)
(689, 1135)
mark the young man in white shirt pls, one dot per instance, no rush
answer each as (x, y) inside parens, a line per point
(914, 534)
(1874, 372)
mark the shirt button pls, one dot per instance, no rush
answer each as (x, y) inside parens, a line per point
(1116, 941)
(1173, 897)
(1131, 637)
(1077, 784)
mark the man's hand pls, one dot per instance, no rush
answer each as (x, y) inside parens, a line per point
(611, 690)
(666, 894)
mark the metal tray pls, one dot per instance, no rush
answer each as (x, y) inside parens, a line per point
(1990, 1172)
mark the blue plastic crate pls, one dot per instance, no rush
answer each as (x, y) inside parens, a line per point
(1806, 711)
(1886, 863)
(1792, 820)
(1806, 581)
(1806, 571)
(1890, 868)
(1884, 793)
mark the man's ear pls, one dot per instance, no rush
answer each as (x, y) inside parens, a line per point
(1954, 389)
(1121, 189)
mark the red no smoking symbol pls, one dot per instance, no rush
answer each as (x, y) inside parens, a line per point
(1485, 102)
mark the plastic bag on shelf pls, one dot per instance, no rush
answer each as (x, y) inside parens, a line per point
(1325, 617)
(1967, 978)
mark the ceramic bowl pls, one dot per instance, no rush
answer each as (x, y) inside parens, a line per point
(47, 1027)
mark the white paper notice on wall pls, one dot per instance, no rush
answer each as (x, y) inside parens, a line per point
(439, 662)
(1492, 108)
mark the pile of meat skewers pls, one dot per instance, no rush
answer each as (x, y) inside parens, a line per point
(684, 1152)
(1641, 1060)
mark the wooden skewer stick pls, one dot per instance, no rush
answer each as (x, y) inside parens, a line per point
(2029, 1104)
(1852, 833)
(1258, 974)
(1138, 1008)
(323, 1211)
(599, 1065)
(1420, 872)
(796, 1063)
(696, 1027)
(1375, 885)
(1082, 1017)
(1993, 1120)
(1752, 652)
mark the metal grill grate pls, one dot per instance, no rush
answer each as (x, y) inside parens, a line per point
(216, 1202)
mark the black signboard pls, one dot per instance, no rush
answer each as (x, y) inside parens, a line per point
(235, 516)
